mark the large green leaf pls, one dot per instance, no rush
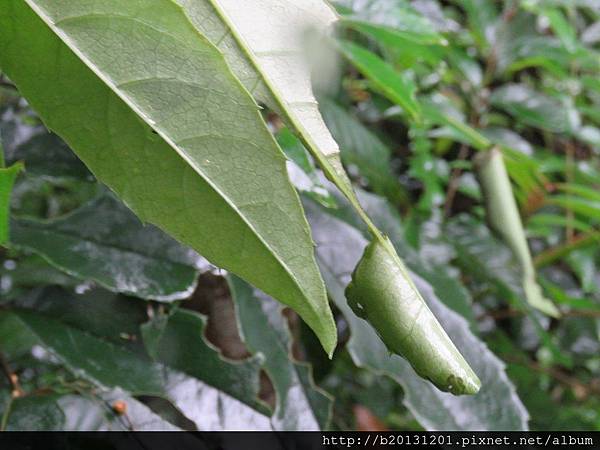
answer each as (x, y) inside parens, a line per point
(152, 108)
(265, 44)
(268, 46)
(269, 38)
(104, 242)
(301, 405)
(495, 407)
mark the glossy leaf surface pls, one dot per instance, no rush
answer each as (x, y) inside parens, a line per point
(104, 242)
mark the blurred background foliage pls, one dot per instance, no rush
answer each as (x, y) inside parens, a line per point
(109, 324)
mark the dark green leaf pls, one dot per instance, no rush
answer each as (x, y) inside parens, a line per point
(104, 242)
(183, 376)
(301, 405)
(7, 179)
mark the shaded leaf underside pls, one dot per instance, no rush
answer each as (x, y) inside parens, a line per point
(152, 108)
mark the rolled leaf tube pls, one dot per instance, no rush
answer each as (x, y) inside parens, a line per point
(382, 293)
(503, 216)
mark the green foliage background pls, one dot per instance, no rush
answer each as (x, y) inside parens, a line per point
(96, 308)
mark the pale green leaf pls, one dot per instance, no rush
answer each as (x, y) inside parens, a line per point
(503, 215)
(265, 44)
(270, 37)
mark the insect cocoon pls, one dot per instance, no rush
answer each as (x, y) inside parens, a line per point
(382, 293)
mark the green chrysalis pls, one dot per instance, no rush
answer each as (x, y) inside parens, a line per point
(382, 293)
